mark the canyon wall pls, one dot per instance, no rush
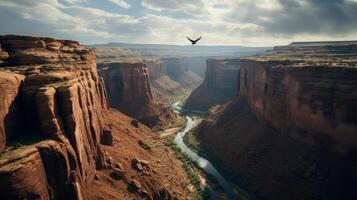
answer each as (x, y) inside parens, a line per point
(129, 91)
(291, 132)
(59, 139)
(219, 86)
(177, 70)
(51, 91)
(164, 89)
(170, 79)
(156, 68)
(314, 104)
(197, 64)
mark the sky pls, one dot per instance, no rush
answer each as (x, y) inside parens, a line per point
(220, 22)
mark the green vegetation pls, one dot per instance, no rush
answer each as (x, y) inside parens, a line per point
(187, 164)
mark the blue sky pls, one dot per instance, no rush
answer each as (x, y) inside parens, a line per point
(220, 22)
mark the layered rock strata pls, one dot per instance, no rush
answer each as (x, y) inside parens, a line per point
(291, 132)
(219, 86)
(169, 78)
(52, 91)
(129, 91)
(53, 118)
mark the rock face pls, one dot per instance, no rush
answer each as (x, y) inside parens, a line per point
(59, 139)
(177, 70)
(197, 65)
(164, 88)
(129, 91)
(52, 91)
(219, 86)
(169, 78)
(156, 68)
(291, 132)
(312, 104)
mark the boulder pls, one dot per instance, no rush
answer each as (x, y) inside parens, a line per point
(117, 174)
(107, 138)
(135, 185)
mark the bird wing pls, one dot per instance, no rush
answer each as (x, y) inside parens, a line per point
(198, 39)
(190, 39)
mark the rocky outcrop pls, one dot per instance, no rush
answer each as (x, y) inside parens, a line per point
(52, 91)
(129, 91)
(291, 132)
(219, 86)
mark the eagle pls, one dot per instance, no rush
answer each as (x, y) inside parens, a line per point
(193, 42)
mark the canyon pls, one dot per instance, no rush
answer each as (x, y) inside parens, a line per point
(143, 87)
(85, 122)
(171, 77)
(60, 140)
(290, 132)
(219, 85)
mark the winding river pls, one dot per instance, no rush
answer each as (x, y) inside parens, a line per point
(203, 163)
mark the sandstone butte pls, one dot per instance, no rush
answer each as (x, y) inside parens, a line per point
(54, 122)
(291, 131)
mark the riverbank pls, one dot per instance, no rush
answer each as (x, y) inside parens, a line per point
(205, 178)
(239, 187)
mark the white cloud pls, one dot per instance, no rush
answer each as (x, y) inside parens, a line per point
(220, 22)
(120, 3)
(187, 6)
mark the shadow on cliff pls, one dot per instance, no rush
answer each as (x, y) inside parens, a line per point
(18, 123)
(279, 167)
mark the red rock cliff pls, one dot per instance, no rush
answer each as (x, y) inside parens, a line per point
(310, 103)
(52, 91)
(59, 139)
(219, 85)
(169, 78)
(129, 91)
(291, 133)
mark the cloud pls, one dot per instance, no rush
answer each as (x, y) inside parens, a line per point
(189, 7)
(294, 17)
(220, 22)
(120, 3)
(51, 18)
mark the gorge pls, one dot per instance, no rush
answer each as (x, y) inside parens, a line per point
(99, 122)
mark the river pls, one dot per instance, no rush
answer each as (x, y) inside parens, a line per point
(203, 163)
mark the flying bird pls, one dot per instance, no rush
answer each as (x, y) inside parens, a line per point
(193, 42)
